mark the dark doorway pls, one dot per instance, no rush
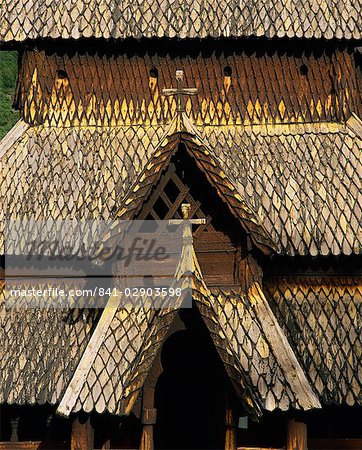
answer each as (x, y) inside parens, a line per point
(190, 393)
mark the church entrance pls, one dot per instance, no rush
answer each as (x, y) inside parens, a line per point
(190, 393)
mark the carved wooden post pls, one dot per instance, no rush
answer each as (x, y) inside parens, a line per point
(82, 434)
(14, 430)
(297, 435)
(230, 437)
(149, 415)
(149, 412)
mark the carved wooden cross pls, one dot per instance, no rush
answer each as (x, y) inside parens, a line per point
(180, 91)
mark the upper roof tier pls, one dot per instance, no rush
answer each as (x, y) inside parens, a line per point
(32, 19)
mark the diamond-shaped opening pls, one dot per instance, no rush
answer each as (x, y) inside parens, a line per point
(172, 191)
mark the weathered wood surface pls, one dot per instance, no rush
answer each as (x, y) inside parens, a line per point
(321, 318)
(296, 435)
(29, 445)
(259, 448)
(302, 180)
(69, 19)
(14, 134)
(206, 162)
(33, 445)
(80, 375)
(292, 369)
(82, 437)
(267, 85)
(230, 433)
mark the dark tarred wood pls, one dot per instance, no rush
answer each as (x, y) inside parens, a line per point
(335, 444)
(265, 86)
(82, 435)
(216, 252)
(149, 412)
(296, 435)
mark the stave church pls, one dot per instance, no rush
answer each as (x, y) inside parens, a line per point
(242, 119)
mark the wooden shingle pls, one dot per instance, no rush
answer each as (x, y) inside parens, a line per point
(73, 19)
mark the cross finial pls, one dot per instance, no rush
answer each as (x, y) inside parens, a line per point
(186, 222)
(180, 91)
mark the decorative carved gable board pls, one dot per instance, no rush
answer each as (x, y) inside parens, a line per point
(208, 165)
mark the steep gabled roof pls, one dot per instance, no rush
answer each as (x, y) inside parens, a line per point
(304, 181)
(209, 166)
(73, 19)
(321, 319)
(125, 343)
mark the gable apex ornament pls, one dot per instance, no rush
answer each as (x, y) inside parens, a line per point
(180, 91)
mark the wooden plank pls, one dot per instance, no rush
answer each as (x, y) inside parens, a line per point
(33, 445)
(296, 435)
(80, 375)
(230, 435)
(285, 356)
(20, 445)
(82, 435)
(259, 448)
(12, 136)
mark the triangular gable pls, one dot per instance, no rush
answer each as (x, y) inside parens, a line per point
(125, 343)
(208, 164)
(201, 296)
(272, 378)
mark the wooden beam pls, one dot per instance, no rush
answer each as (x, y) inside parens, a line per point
(149, 412)
(296, 435)
(12, 136)
(82, 435)
(80, 375)
(230, 436)
(27, 445)
(293, 371)
(149, 415)
(34, 445)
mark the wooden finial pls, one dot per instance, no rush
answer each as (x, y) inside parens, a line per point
(179, 75)
(185, 209)
(180, 91)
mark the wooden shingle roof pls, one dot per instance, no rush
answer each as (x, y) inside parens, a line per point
(208, 164)
(303, 181)
(327, 310)
(320, 319)
(40, 349)
(72, 19)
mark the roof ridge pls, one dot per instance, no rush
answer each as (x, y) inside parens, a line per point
(22, 20)
(153, 169)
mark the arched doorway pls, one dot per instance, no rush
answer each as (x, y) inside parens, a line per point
(190, 393)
